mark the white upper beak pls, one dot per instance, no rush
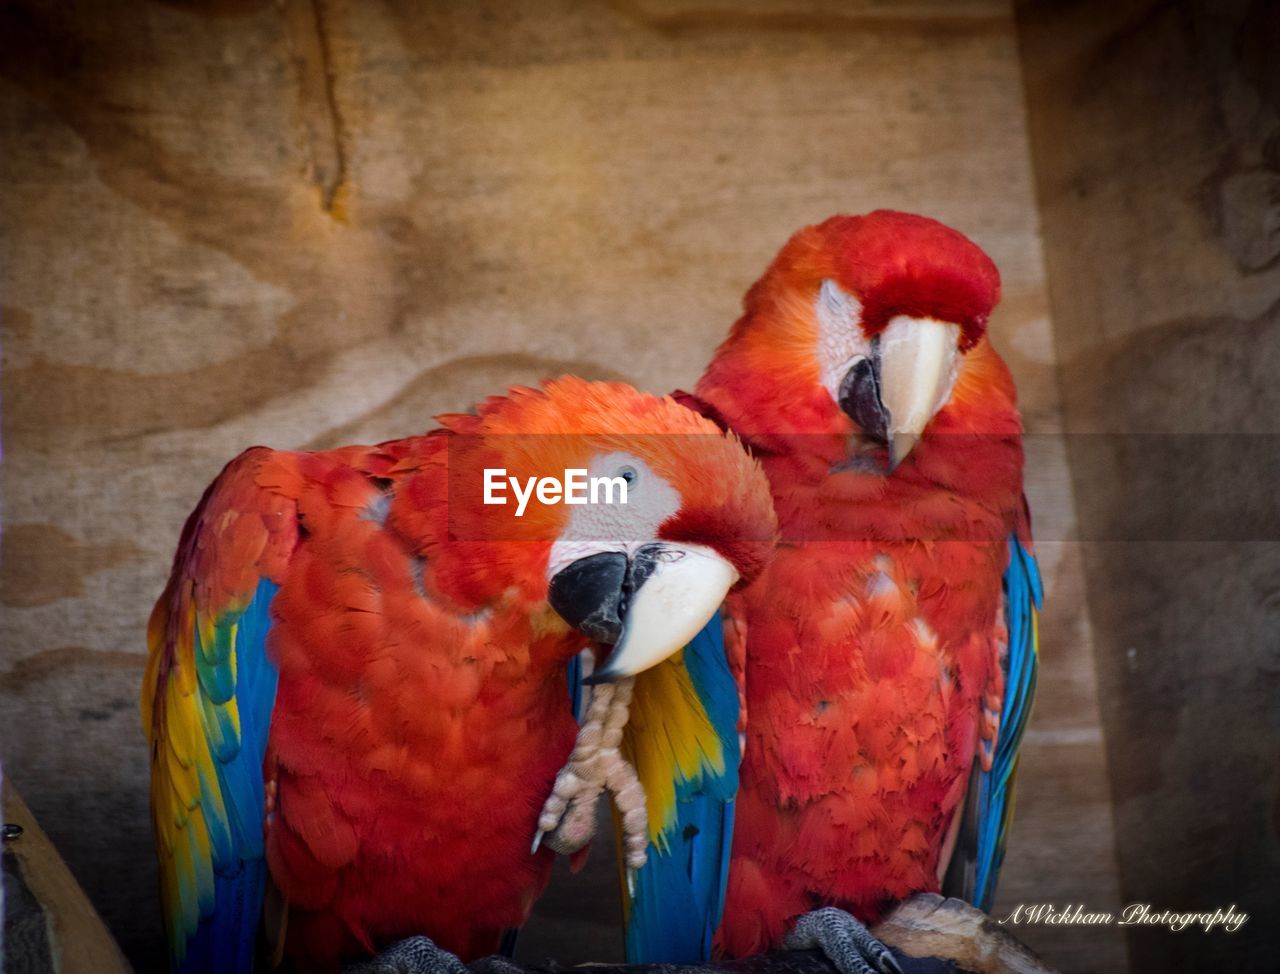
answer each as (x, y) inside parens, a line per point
(681, 595)
(917, 371)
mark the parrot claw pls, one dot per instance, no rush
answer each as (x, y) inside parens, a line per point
(631, 883)
(567, 822)
(416, 955)
(845, 942)
(576, 827)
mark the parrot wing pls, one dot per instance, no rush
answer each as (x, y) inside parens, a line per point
(207, 700)
(682, 739)
(988, 809)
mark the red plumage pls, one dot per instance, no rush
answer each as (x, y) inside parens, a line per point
(874, 636)
(382, 717)
(421, 712)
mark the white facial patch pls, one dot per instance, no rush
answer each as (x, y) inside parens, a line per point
(594, 528)
(841, 341)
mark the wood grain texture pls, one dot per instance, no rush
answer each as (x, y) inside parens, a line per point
(230, 222)
(1156, 130)
(78, 940)
(927, 925)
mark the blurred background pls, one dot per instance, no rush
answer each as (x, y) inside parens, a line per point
(312, 222)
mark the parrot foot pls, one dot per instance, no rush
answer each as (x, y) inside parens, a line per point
(843, 940)
(576, 826)
(568, 819)
(416, 955)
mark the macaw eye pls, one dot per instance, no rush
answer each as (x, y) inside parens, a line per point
(629, 474)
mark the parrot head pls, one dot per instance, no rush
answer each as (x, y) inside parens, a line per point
(863, 324)
(669, 513)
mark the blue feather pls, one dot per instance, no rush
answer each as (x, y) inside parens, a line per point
(226, 937)
(1024, 593)
(575, 686)
(679, 894)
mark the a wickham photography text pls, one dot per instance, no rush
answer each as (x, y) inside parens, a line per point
(574, 488)
(1134, 915)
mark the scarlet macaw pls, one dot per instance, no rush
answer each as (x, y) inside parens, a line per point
(890, 648)
(356, 690)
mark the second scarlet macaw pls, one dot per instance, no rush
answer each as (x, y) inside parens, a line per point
(890, 648)
(355, 695)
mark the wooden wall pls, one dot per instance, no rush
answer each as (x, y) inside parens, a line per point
(308, 222)
(1156, 137)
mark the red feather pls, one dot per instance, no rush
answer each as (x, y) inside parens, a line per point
(871, 638)
(422, 711)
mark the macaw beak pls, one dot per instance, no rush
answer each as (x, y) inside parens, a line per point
(648, 605)
(909, 377)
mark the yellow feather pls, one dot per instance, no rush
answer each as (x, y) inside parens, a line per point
(187, 907)
(186, 786)
(669, 737)
(180, 724)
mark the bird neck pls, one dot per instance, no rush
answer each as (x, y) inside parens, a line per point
(816, 458)
(462, 559)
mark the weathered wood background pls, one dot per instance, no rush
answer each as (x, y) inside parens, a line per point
(1156, 135)
(309, 222)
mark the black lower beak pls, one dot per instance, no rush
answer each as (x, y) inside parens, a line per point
(589, 594)
(860, 396)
